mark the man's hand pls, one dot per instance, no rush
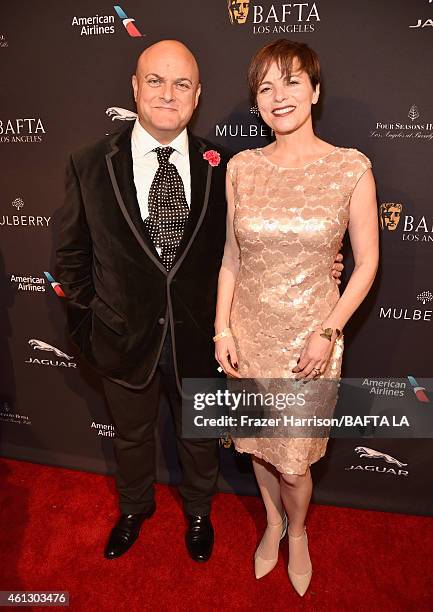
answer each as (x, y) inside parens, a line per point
(337, 268)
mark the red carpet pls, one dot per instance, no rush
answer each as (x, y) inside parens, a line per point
(54, 524)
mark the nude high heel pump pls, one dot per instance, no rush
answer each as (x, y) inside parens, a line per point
(264, 566)
(300, 582)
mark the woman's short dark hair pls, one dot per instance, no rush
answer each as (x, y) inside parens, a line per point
(283, 52)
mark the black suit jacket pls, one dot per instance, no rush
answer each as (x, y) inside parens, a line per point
(121, 299)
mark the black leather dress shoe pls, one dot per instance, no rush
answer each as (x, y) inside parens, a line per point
(124, 534)
(199, 537)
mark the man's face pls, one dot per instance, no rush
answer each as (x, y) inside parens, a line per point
(166, 91)
(239, 10)
(391, 217)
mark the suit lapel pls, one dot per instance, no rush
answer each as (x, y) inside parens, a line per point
(201, 173)
(119, 163)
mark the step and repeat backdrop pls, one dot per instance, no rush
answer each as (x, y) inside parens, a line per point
(66, 81)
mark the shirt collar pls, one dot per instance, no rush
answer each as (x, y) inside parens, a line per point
(144, 142)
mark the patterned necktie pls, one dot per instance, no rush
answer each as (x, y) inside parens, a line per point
(168, 208)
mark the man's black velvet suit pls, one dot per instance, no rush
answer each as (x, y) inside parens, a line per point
(122, 302)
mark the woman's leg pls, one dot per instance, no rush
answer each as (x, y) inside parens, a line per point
(269, 484)
(296, 494)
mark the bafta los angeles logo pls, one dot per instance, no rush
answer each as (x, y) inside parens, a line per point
(390, 215)
(238, 11)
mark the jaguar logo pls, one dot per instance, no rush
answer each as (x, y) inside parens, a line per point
(364, 451)
(44, 346)
(120, 114)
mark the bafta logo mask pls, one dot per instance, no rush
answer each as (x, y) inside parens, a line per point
(238, 10)
(390, 214)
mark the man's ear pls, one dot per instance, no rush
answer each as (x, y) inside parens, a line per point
(316, 94)
(197, 95)
(135, 86)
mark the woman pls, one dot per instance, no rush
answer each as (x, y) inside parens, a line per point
(279, 313)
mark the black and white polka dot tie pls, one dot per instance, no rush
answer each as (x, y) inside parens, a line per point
(168, 208)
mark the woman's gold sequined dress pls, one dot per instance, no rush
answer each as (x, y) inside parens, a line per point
(289, 223)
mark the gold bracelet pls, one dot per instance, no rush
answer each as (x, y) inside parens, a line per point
(226, 333)
(328, 331)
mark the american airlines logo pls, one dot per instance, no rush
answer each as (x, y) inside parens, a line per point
(128, 23)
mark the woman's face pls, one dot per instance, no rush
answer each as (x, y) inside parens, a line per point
(285, 105)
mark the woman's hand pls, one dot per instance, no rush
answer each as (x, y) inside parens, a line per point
(337, 267)
(225, 354)
(314, 356)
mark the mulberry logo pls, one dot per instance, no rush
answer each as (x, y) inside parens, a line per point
(23, 220)
(64, 360)
(120, 114)
(377, 456)
(18, 203)
(244, 123)
(128, 23)
(407, 314)
(238, 11)
(57, 288)
(425, 296)
(389, 214)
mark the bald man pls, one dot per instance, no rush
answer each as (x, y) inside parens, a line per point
(140, 247)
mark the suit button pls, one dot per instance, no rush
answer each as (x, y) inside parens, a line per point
(161, 321)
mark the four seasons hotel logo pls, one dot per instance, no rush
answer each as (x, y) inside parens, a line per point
(412, 126)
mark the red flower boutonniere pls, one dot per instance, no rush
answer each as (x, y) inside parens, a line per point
(213, 157)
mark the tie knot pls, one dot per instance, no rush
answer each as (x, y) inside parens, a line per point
(163, 154)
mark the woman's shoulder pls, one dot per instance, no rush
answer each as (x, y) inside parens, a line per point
(241, 160)
(355, 156)
(243, 156)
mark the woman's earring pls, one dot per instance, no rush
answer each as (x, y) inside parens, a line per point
(255, 111)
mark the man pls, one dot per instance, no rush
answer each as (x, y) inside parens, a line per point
(140, 247)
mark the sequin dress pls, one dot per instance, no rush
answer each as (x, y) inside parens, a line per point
(289, 223)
